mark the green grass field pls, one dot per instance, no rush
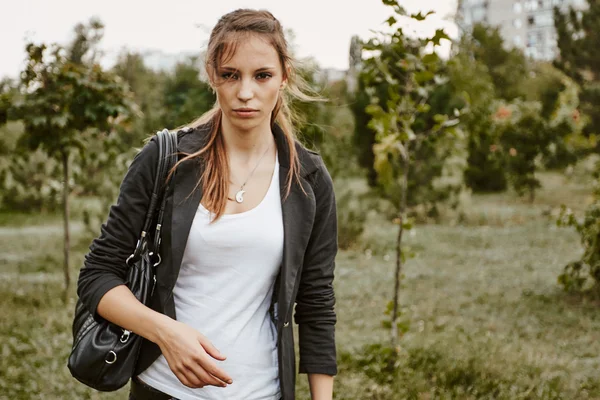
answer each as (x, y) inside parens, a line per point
(487, 318)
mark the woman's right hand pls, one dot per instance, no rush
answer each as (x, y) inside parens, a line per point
(189, 353)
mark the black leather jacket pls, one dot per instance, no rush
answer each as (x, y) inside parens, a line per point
(306, 273)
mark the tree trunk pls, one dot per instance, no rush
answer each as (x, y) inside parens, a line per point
(65, 160)
(531, 195)
(402, 209)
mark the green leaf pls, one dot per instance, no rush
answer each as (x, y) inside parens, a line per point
(431, 58)
(439, 35)
(423, 108)
(391, 21)
(423, 76)
(389, 307)
(374, 110)
(420, 16)
(403, 326)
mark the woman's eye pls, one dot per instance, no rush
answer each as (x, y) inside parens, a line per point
(263, 75)
(228, 75)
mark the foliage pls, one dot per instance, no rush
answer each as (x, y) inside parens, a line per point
(507, 68)
(63, 99)
(546, 129)
(186, 96)
(31, 182)
(408, 151)
(7, 94)
(427, 372)
(584, 274)
(148, 89)
(364, 136)
(474, 92)
(326, 124)
(560, 104)
(408, 121)
(64, 95)
(351, 219)
(337, 149)
(578, 34)
(98, 175)
(523, 137)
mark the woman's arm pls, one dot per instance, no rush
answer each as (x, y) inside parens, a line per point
(321, 386)
(101, 284)
(315, 301)
(104, 265)
(186, 350)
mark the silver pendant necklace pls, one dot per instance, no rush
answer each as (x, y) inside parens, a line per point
(239, 196)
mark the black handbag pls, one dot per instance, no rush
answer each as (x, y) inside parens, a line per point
(104, 355)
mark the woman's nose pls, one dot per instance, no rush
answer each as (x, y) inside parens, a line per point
(245, 91)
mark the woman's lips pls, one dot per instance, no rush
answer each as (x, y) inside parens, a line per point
(245, 113)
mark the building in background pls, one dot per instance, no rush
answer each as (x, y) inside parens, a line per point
(525, 24)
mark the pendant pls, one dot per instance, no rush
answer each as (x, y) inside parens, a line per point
(239, 196)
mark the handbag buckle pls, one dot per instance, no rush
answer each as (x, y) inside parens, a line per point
(125, 336)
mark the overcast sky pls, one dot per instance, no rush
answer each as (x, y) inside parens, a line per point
(322, 28)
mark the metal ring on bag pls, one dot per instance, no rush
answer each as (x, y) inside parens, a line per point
(125, 336)
(159, 260)
(114, 357)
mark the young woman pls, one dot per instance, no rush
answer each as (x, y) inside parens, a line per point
(249, 231)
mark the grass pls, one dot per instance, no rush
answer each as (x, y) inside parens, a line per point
(487, 318)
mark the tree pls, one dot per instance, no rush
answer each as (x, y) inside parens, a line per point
(578, 35)
(474, 91)
(507, 68)
(185, 95)
(402, 121)
(148, 88)
(364, 136)
(64, 98)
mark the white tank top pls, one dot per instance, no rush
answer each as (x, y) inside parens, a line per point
(224, 291)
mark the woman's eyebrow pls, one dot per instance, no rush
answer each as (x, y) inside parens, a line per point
(231, 69)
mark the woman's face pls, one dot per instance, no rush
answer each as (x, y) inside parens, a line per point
(248, 84)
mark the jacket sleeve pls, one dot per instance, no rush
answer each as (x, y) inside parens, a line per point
(104, 266)
(315, 300)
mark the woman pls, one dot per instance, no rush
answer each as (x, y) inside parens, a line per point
(249, 231)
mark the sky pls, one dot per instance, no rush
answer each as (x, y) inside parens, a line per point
(322, 28)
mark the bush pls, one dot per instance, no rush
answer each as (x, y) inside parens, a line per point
(30, 182)
(431, 372)
(583, 274)
(351, 220)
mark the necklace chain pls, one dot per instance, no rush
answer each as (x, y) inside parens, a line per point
(239, 197)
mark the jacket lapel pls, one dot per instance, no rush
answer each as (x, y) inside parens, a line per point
(298, 213)
(186, 199)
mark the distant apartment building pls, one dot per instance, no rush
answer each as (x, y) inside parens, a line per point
(525, 24)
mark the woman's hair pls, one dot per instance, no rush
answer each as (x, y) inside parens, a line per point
(224, 38)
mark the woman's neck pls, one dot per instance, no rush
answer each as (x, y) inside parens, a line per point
(246, 145)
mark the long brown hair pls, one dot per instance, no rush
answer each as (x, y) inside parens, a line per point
(225, 36)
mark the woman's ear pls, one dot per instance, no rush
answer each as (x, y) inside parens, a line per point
(210, 73)
(288, 71)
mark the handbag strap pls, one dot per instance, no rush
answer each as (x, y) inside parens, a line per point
(167, 156)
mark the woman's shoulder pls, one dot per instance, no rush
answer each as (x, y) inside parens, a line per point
(314, 167)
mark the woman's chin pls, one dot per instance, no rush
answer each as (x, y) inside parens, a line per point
(247, 124)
